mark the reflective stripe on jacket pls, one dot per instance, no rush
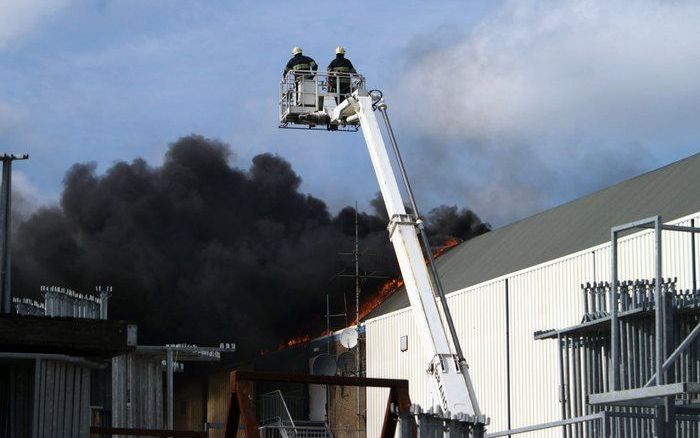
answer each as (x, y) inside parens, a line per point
(341, 65)
(300, 62)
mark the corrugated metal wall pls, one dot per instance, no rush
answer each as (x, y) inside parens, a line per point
(477, 331)
(137, 391)
(541, 297)
(44, 398)
(63, 394)
(16, 380)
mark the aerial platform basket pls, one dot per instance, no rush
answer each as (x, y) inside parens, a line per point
(308, 98)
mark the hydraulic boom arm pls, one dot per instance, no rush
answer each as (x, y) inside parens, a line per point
(452, 385)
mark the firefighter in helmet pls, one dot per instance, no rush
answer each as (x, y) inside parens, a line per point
(339, 71)
(299, 62)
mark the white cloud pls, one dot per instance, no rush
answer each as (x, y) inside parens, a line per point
(10, 116)
(571, 82)
(20, 17)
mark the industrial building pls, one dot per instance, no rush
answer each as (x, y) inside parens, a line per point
(53, 356)
(579, 321)
(504, 287)
(526, 277)
(68, 371)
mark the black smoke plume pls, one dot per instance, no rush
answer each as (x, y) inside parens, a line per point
(199, 251)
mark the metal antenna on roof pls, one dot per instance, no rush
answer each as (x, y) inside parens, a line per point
(330, 315)
(358, 276)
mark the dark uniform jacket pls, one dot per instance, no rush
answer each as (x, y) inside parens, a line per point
(300, 62)
(340, 65)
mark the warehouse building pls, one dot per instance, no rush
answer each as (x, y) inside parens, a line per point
(513, 281)
(53, 355)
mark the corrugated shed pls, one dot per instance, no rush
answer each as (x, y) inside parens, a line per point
(671, 191)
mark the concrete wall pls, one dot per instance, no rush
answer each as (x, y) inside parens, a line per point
(541, 297)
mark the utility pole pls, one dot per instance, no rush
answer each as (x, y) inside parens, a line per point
(169, 385)
(357, 272)
(358, 356)
(5, 210)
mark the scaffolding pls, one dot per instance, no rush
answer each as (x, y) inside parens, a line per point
(633, 356)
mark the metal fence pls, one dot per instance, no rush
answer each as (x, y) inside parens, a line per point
(633, 295)
(585, 358)
(303, 91)
(27, 306)
(280, 431)
(60, 301)
(274, 410)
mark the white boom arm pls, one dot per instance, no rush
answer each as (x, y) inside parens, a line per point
(452, 385)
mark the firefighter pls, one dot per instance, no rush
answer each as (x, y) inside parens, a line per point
(339, 71)
(300, 62)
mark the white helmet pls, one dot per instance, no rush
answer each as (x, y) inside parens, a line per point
(296, 50)
(340, 50)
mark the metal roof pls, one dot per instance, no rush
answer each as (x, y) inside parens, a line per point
(672, 191)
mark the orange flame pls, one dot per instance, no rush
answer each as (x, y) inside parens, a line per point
(383, 293)
(386, 290)
(294, 341)
(392, 285)
(451, 243)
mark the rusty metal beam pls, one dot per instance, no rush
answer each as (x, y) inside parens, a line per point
(389, 423)
(262, 376)
(233, 413)
(246, 402)
(163, 433)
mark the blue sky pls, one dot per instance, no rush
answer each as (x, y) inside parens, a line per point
(496, 104)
